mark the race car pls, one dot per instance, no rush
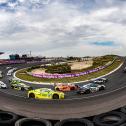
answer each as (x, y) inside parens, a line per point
(45, 93)
(90, 88)
(10, 79)
(3, 85)
(8, 67)
(10, 72)
(100, 81)
(1, 74)
(124, 70)
(18, 85)
(66, 87)
(13, 80)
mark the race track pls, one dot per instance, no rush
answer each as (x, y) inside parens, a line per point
(73, 106)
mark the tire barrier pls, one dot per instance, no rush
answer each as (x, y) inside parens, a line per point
(114, 118)
(8, 118)
(123, 109)
(54, 122)
(110, 119)
(74, 122)
(32, 122)
(123, 124)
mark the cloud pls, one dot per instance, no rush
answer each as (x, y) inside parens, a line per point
(59, 27)
(3, 1)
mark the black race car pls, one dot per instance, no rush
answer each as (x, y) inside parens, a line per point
(90, 88)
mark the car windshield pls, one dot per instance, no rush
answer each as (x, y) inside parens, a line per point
(90, 85)
(86, 86)
(45, 90)
(22, 84)
(62, 85)
(1, 82)
(71, 84)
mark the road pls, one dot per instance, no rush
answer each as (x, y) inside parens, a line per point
(73, 106)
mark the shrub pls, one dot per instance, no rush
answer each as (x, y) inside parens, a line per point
(60, 69)
(32, 68)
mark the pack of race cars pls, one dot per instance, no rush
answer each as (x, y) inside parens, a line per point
(59, 89)
(10, 71)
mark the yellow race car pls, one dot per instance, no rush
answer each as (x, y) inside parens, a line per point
(45, 93)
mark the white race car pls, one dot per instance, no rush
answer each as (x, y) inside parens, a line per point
(10, 72)
(90, 88)
(124, 70)
(1, 74)
(3, 85)
(100, 81)
(8, 68)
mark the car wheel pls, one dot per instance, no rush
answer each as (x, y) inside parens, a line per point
(79, 93)
(32, 122)
(12, 87)
(30, 88)
(74, 122)
(106, 81)
(72, 88)
(101, 88)
(110, 119)
(77, 86)
(87, 92)
(123, 109)
(55, 96)
(57, 89)
(7, 118)
(31, 95)
(22, 89)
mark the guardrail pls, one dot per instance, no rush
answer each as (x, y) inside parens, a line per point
(9, 62)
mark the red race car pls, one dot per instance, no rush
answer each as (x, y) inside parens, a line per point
(66, 87)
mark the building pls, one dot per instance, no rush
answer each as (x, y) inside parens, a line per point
(14, 57)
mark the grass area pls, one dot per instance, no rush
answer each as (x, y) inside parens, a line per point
(66, 68)
(22, 75)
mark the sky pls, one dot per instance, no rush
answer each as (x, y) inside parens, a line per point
(63, 27)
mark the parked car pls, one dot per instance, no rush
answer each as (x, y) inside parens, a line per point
(90, 88)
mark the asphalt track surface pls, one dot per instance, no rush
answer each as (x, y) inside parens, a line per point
(74, 106)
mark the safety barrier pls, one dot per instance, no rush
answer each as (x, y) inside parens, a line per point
(114, 118)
